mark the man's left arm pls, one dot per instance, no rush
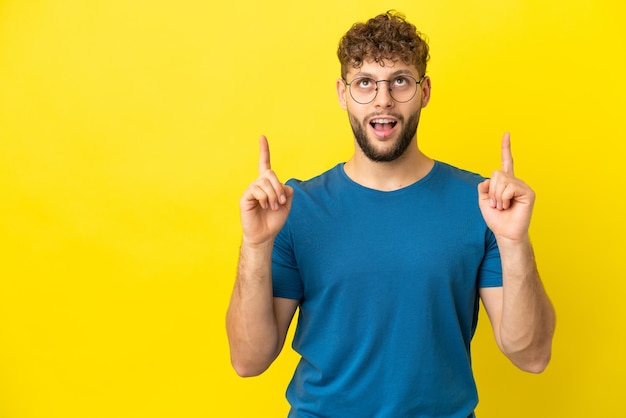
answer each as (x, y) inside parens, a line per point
(521, 314)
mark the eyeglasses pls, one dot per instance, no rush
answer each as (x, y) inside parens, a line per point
(401, 88)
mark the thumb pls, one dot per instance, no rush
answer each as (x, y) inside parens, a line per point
(288, 193)
(483, 188)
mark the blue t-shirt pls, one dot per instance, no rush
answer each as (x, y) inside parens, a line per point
(388, 289)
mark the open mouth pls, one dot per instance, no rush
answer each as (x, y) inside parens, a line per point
(383, 126)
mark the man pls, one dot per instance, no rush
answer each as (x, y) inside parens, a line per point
(386, 256)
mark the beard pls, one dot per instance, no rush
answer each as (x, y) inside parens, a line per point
(399, 147)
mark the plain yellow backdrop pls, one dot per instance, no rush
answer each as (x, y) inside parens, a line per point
(128, 132)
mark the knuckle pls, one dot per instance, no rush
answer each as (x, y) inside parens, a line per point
(268, 173)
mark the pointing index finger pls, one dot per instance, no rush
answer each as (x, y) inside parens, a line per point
(507, 156)
(264, 157)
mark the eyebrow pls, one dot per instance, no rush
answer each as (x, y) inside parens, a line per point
(394, 74)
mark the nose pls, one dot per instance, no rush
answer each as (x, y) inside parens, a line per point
(383, 94)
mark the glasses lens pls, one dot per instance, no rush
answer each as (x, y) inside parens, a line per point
(403, 88)
(363, 90)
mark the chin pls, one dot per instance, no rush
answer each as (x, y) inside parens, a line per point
(394, 146)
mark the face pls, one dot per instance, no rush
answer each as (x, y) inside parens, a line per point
(384, 128)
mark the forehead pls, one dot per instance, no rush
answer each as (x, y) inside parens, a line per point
(382, 69)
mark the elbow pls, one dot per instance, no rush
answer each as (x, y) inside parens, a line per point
(529, 352)
(244, 370)
(247, 369)
(535, 365)
(530, 359)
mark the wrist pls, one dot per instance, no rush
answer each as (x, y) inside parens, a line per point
(513, 243)
(257, 246)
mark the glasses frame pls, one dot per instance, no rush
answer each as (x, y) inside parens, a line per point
(417, 83)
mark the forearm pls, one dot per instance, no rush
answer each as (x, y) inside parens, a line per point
(528, 318)
(250, 321)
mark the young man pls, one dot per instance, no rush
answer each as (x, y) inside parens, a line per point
(386, 256)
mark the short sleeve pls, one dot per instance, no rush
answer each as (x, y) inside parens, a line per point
(490, 273)
(286, 280)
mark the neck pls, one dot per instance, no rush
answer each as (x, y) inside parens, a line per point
(410, 167)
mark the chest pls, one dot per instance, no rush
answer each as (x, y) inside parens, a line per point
(405, 247)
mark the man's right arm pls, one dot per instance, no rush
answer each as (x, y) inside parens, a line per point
(256, 322)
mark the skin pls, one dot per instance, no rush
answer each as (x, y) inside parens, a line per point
(520, 312)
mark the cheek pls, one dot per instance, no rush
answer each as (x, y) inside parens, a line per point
(355, 118)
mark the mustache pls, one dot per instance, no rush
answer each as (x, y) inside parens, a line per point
(372, 115)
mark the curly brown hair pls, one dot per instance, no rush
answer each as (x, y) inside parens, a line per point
(387, 36)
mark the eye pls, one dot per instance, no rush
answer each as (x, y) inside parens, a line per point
(401, 81)
(364, 83)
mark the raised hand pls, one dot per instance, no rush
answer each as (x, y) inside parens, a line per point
(505, 201)
(266, 202)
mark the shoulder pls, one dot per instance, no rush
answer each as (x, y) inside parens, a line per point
(315, 198)
(332, 178)
(459, 174)
(457, 177)
(454, 185)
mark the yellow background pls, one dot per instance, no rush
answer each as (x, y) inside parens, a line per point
(128, 132)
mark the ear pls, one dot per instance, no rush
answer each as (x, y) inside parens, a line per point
(341, 94)
(426, 88)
